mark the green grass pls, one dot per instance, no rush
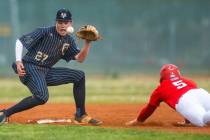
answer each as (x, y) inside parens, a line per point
(99, 90)
(59, 132)
(133, 89)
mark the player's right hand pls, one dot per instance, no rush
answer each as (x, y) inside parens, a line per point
(20, 68)
(133, 123)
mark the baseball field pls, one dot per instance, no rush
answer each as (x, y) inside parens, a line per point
(114, 100)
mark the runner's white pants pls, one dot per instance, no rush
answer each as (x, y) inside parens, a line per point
(195, 106)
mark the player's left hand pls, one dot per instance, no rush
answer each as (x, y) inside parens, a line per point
(133, 123)
(88, 33)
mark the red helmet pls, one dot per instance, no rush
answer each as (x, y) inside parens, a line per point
(169, 71)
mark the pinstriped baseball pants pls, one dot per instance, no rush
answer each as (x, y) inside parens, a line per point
(38, 78)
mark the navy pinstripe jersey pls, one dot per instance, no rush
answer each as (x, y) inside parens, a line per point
(46, 47)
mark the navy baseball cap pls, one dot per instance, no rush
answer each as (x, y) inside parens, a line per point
(63, 15)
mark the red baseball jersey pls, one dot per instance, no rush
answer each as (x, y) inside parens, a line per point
(169, 91)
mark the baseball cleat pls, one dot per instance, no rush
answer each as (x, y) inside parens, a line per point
(85, 119)
(3, 117)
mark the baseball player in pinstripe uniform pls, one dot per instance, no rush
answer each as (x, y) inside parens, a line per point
(45, 47)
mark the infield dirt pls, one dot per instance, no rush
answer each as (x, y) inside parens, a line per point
(112, 115)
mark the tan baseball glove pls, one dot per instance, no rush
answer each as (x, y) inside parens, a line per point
(88, 32)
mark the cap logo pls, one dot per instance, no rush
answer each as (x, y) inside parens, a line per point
(63, 15)
(171, 68)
